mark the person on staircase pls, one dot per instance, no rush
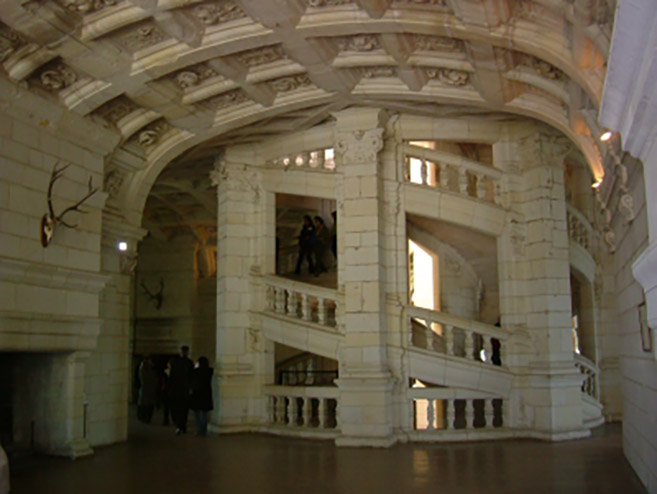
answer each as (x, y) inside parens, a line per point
(307, 241)
(321, 244)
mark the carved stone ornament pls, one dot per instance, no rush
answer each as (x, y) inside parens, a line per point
(450, 77)
(361, 42)
(626, 207)
(543, 68)
(57, 77)
(431, 3)
(239, 178)
(143, 37)
(193, 76)
(150, 135)
(383, 71)
(128, 264)
(360, 147)
(261, 56)
(112, 183)
(217, 13)
(437, 43)
(225, 100)
(328, 3)
(115, 109)
(86, 6)
(9, 42)
(285, 84)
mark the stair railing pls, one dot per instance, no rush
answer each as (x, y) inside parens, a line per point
(590, 385)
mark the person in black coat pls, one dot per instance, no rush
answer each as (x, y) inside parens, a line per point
(307, 241)
(179, 387)
(200, 400)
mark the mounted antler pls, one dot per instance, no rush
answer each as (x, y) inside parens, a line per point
(50, 220)
(156, 298)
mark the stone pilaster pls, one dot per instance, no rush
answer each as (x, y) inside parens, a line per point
(239, 368)
(365, 381)
(535, 300)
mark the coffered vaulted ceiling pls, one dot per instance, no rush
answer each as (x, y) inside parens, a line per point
(181, 78)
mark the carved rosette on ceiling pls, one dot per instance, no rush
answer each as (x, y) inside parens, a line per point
(261, 56)
(422, 3)
(56, 76)
(381, 71)
(10, 41)
(144, 36)
(152, 133)
(86, 6)
(218, 13)
(359, 43)
(115, 109)
(290, 83)
(450, 77)
(225, 100)
(437, 43)
(360, 147)
(193, 76)
(543, 68)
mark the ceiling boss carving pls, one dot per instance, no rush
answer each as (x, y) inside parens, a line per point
(231, 98)
(543, 68)
(437, 43)
(57, 77)
(450, 77)
(142, 37)
(115, 109)
(152, 133)
(217, 13)
(361, 42)
(328, 3)
(285, 84)
(86, 6)
(261, 56)
(193, 76)
(383, 71)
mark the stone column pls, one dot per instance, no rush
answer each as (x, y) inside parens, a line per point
(365, 383)
(239, 370)
(535, 301)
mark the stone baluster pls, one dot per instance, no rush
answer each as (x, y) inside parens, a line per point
(489, 412)
(450, 412)
(463, 180)
(481, 186)
(305, 159)
(449, 339)
(430, 415)
(320, 159)
(506, 413)
(469, 414)
(321, 311)
(280, 409)
(429, 335)
(444, 178)
(337, 415)
(424, 172)
(410, 331)
(292, 303)
(321, 413)
(280, 300)
(306, 310)
(488, 348)
(307, 411)
(469, 344)
(292, 411)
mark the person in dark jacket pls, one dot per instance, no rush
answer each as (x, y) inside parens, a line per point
(307, 241)
(179, 386)
(148, 391)
(200, 400)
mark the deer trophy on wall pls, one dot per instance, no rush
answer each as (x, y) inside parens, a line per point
(157, 297)
(50, 220)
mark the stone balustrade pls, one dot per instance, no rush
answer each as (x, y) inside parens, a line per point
(445, 409)
(302, 301)
(579, 227)
(311, 408)
(590, 385)
(455, 336)
(452, 172)
(320, 160)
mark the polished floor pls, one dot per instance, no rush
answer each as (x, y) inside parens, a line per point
(157, 461)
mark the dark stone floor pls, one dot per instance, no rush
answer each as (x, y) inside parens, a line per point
(157, 461)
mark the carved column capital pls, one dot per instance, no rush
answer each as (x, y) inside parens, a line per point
(543, 149)
(360, 146)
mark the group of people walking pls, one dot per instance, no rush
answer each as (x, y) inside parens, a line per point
(314, 241)
(182, 386)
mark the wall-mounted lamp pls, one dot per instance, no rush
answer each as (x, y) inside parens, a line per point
(596, 184)
(606, 135)
(122, 246)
